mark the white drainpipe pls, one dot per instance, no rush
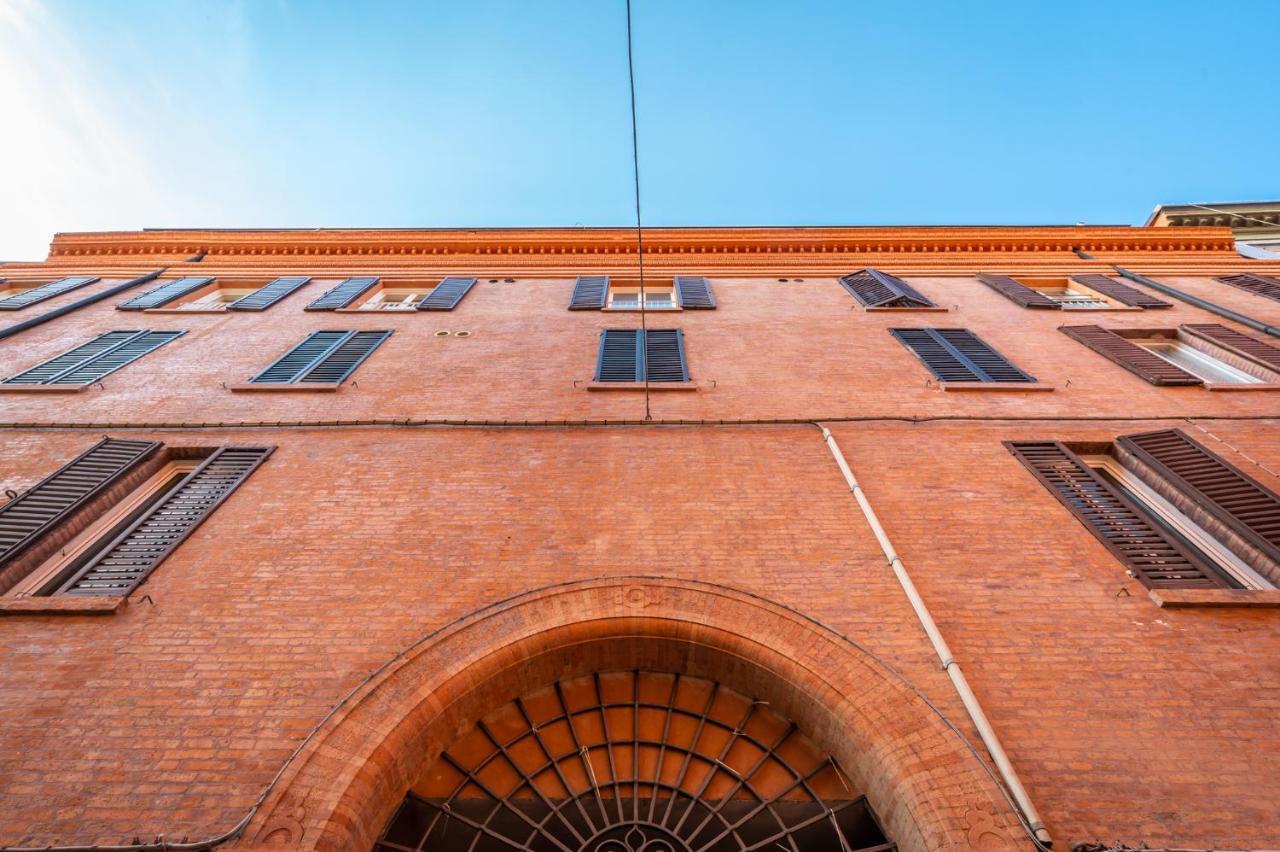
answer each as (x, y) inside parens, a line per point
(952, 668)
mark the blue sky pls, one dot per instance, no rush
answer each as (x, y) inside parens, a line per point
(158, 113)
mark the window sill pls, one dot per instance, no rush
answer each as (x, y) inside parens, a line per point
(937, 309)
(295, 387)
(1216, 598)
(43, 388)
(187, 311)
(988, 387)
(1223, 386)
(634, 386)
(1117, 309)
(672, 310)
(62, 605)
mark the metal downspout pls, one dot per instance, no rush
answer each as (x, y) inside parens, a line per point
(949, 664)
(1204, 304)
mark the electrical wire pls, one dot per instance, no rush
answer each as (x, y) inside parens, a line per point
(635, 170)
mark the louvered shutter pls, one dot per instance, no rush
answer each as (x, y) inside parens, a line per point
(1233, 497)
(621, 356)
(959, 355)
(34, 512)
(876, 289)
(694, 293)
(266, 296)
(1122, 293)
(131, 556)
(1135, 359)
(1263, 285)
(664, 355)
(343, 294)
(44, 291)
(164, 294)
(1156, 559)
(447, 294)
(589, 293)
(1241, 344)
(290, 366)
(1020, 293)
(99, 357)
(345, 357)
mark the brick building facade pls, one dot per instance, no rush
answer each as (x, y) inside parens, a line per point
(469, 579)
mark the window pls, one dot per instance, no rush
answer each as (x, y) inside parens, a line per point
(1073, 293)
(878, 290)
(91, 361)
(15, 295)
(376, 294)
(959, 355)
(684, 292)
(223, 295)
(1173, 512)
(72, 534)
(324, 358)
(1195, 354)
(1267, 286)
(629, 355)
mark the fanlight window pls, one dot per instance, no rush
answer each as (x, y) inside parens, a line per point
(634, 762)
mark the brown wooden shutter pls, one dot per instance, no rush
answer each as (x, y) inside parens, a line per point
(959, 355)
(876, 289)
(1020, 293)
(1266, 286)
(694, 293)
(1122, 293)
(1233, 497)
(1157, 560)
(1134, 358)
(37, 510)
(589, 293)
(1241, 344)
(131, 556)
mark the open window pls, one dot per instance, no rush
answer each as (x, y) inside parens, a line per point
(1208, 354)
(101, 523)
(1072, 293)
(1173, 512)
(600, 292)
(204, 294)
(18, 293)
(394, 294)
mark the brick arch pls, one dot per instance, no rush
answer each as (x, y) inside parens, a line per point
(928, 788)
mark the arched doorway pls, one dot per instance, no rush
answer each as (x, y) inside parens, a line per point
(632, 761)
(923, 786)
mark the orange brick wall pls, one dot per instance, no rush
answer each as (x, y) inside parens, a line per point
(1126, 721)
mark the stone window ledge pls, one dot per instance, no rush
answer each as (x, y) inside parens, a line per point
(989, 387)
(43, 388)
(936, 309)
(634, 386)
(62, 605)
(1216, 598)
(1266, 386)
(296, 387)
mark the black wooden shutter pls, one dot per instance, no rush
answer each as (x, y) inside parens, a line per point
(664, 355)
(345, 357)
(1135, 359)
(1264, 285)
(266, 296)
(1157, 560)
(1020, 293)
(89, 362)
(132, 555)
(164, 294)
(589, 293)
(447, 294)
(1241, 344)
(34, 512)
(959, 355)
(1233, 497)
(876, 289)
(343, 294)
(44, 291)
(1122, 293)
(694, 293)
(621, 356)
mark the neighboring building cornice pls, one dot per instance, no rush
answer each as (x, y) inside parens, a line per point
(1236, 215)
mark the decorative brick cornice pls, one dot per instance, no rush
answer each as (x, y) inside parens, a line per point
(659, 242)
